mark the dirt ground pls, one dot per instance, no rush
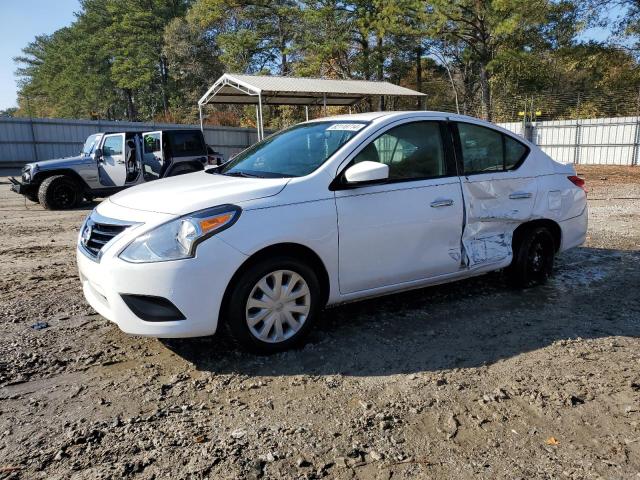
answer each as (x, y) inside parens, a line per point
(471, 379)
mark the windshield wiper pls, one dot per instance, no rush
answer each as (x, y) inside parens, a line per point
(241, 174)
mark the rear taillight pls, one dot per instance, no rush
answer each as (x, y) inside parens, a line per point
(578, 182)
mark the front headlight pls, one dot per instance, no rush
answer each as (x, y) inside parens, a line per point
(28, 172)
(179, 238)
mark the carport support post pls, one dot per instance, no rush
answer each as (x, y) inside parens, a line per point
(306, 112)
(324, 103)
(261, 131)
(200, 112)
(257, 122)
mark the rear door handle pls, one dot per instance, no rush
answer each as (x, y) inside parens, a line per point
(519, 195)
(442, 202)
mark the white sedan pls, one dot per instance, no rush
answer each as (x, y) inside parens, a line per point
(325, 212)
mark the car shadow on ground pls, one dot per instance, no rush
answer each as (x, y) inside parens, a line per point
(469, 323)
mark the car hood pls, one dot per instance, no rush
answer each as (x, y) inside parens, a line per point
(188, 193)
(59, 162)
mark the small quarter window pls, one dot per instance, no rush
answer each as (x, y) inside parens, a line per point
(514, 151)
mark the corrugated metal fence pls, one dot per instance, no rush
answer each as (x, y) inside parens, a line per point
(599, 141)
(25, 140)
(604, 141)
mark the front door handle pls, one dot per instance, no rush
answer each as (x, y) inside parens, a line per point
(519, 195)
(441, 202)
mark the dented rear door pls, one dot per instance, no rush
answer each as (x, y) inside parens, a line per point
(498, 195)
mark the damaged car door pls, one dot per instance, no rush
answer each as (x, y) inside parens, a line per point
(408, 227)
(498, 194)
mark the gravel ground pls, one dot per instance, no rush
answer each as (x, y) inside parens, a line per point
(467, 379)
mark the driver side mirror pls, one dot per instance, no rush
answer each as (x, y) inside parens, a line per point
(97, 153)
(366, 172)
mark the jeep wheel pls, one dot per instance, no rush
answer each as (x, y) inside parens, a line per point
(59, 192)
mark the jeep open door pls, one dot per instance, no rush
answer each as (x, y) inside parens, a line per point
(111, 165)
(152, 157)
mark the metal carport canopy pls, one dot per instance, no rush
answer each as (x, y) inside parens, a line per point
(262, 90)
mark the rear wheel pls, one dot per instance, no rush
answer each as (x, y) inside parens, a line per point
(59, 192)
(532, 259)
(273, 304)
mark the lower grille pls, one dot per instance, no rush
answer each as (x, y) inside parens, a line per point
(96, 235)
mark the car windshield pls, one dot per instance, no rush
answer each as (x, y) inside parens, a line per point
(294, 152)
(90, 144)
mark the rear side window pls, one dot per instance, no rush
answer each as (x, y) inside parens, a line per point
(151, 142)
(412, 151)
(185, 144)
(487, 150)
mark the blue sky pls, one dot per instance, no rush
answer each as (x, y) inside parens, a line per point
(22, 20)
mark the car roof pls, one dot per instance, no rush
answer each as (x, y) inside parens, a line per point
(372, 116)
(168, 130)
(376, 117)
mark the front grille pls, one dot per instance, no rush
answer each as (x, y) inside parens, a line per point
(100, 234)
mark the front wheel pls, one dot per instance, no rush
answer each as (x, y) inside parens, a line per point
(532, 259)
(59, 192)
(273, 305)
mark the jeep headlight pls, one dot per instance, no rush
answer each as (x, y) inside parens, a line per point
(28, 172)
(179, 238)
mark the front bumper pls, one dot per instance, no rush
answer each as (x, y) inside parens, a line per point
(195, 286)
(22, 188)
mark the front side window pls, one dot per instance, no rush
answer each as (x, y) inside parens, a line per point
(487, 150)
(412, 151)
(294, 152)
(112, 146)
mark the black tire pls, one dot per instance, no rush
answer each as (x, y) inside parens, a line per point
(236, 311)
(59, 192)
(532, 258)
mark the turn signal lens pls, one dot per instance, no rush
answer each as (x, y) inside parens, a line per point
(208, 224)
